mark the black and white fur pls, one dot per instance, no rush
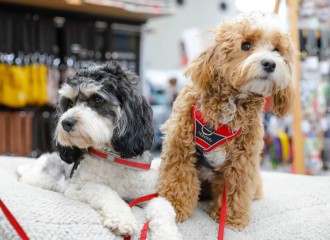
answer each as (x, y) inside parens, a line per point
(102, 107)
(110, 113)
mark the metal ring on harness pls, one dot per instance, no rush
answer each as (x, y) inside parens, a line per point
(207, 134)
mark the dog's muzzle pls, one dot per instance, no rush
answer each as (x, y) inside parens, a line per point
(268, 65)
(68, 124)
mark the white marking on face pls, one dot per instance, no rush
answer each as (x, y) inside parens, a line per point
(89, 89)
(68, 91)
(259, 81)
(259, 20)
(91, 129)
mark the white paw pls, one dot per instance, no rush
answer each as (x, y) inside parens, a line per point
(74, 192)
(121, 226)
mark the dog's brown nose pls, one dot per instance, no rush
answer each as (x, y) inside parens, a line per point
(68, 124)
(268, 65)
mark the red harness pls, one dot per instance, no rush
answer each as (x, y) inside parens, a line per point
(207, 139)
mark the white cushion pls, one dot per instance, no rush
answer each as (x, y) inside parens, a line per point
(293, 207)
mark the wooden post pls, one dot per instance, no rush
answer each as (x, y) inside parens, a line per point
(277, 5)
(298, 138)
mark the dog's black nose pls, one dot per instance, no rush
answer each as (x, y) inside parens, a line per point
(268, 65)
(68, 124)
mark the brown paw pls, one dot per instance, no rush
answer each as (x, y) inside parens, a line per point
(238, 223)
(257, 195)
(215, 215)
(182, 215)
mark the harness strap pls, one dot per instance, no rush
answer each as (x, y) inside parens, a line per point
(201, 158)
(144, 230)
(12, 220)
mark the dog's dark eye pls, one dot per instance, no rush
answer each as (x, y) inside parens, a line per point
(246, 46)
(276, 50)
(98, 100)
(69, 104)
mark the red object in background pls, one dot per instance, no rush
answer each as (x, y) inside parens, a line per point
(183, 55)
(184, 60)
(267, 104)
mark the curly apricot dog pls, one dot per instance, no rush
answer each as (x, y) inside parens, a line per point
(250, 59)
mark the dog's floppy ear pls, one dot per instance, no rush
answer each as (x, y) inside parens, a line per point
(282, 101)
(134, 133)
(138, 133)
(201, 69)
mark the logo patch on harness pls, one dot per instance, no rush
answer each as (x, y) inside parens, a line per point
(205, 137)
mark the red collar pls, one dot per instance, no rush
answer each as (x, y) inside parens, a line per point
(135, 163)
(206, 138)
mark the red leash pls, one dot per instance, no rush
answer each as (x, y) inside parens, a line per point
(13, 221)
(144, 231)
(135, 165)
(223, 211)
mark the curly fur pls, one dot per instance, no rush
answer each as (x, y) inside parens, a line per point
(127, 111)
(231, 85)
(111, 115)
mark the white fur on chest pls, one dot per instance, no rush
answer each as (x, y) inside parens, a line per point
(128, 183)
(215, 158)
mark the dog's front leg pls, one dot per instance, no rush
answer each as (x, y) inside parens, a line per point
(178, 180)
(117, 214)
(179, 184)
(239, 188)
(162, 223)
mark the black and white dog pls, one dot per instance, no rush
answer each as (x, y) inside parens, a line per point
(103, 123)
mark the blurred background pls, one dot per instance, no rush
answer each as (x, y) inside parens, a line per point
(43, 42)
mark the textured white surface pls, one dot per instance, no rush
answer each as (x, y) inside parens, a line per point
(293, 207)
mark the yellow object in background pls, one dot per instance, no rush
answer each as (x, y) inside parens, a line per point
(42, 100)
(23, 85)
(38, 82)
(34, 80)
(14, 87)
(285, 143)
(2, 76)
(27, 69)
